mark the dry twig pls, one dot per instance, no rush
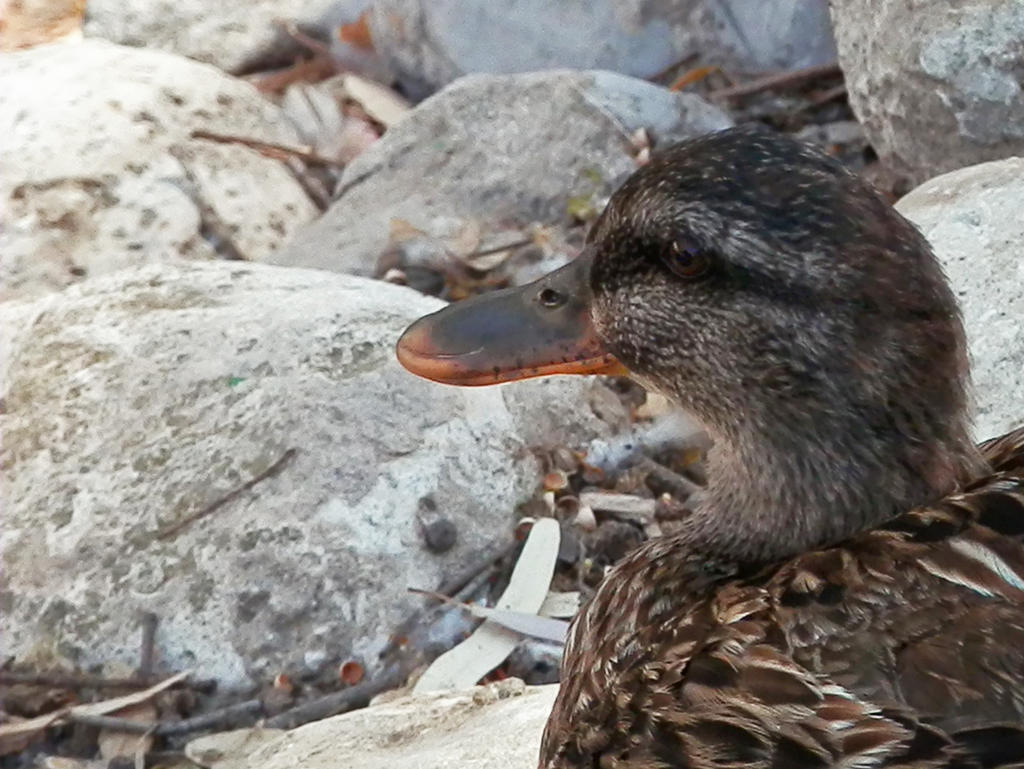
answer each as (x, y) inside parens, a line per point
(213, 229)
(352, 698)
(75, 682)
(148, 650)
(681, 487)
(227, 716)
(780, 81)
(270, 149)
(274, 469)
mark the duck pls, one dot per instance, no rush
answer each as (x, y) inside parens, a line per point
(848, 590)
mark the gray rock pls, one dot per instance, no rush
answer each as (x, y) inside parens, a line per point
(739, 35)
(973, 219)
(936, 85)
(133, 401)
(496, 148)
(431, 43)
(234, 36)
(497, 726)
(98, 170)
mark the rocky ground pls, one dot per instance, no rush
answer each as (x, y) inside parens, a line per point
(214, 223)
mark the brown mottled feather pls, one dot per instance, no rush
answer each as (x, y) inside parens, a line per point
(902, 647)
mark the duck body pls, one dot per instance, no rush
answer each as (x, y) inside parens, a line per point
(902, 646)
(849, 590)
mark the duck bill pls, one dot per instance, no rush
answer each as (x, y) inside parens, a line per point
(539, 329)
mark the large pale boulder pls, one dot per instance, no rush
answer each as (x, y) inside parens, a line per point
(937, 86)
(973, 218)
(134, 401)
(497, 726)
(98, 170)
(513, 149)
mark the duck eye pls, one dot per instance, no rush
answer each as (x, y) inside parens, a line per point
(549, 297)
(687, 260)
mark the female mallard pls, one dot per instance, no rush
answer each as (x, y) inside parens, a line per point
(800, 620)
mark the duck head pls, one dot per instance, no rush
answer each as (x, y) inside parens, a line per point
(761, 286)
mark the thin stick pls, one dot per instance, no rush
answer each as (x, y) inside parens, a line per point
(211, 720)
(275, 468)
(460, 587)
(270, 149)
(148, 650)
(440, 597)
(827, 95)
(94, 682)
(782, 80)
(690, 58)
(682, 487)
(467, 581)
(112, 723)
(211, 226)
(353, 698)
(317, 47)
(313, 187)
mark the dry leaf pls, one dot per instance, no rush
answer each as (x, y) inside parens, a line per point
(105, 707)
(316, 115)
(18, 733)
(533, 625)
(115, 744)
(539, 625)
(655, 405)
(12, 733)
(465, 240)
(488, 262)
(491, 643)
(381, 103)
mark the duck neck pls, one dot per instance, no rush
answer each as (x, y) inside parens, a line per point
(775, 494)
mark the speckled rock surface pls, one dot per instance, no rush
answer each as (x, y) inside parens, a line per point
(97, 170)
(973, 218)
(430, 43)
(134, 400)
(497, 726)
(937, 86)
(509, 148)
(234, 35)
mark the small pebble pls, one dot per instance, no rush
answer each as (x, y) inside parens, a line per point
(438, 531)
(439, 535)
